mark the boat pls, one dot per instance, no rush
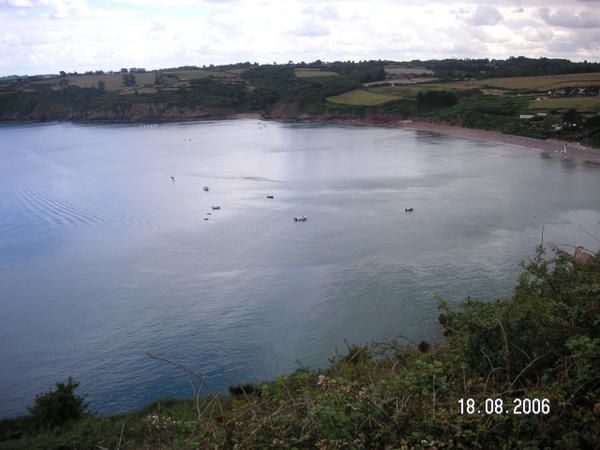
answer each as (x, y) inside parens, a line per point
(216, 207)
(206, 188)
(270, 196)
(300, 219)
(409, 209)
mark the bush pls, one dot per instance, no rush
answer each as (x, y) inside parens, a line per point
(436, 99)
(57, 407)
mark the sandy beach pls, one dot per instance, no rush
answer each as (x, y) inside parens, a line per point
(552, 147)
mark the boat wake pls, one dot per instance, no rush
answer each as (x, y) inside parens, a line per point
(44, 208)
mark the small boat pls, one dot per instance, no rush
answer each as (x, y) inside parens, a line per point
(270, 196)
(173, 179)
(216, 207)
(206, 188)
(300, 219)
(409, 209)
(206, 218)
(209, 214)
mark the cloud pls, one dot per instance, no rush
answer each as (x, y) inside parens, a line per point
(325, 13)
(485, 15)
(310, 29)
(569, 19)
(18, 3)
(85, 35)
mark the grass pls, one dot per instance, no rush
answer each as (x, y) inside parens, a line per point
(362, 97)
(114, 82)
(143, 90)
(200, 74)
(378, 95)
(312, 73)
(408, 92)
(582, 104)
(543, 83)
(399, 70)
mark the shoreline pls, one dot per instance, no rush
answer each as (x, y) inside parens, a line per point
(550, 147)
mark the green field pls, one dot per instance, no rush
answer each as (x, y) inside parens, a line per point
(362, 97)
(583, 104)
(410, 91)
(407, 71)
(542, 83)
(382, 94)
(312, 73)
(199, 74)
(114, 82)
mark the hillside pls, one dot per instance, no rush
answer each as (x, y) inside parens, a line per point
(540, 98)
(535, 357)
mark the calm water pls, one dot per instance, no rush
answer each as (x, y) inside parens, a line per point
(103, 259)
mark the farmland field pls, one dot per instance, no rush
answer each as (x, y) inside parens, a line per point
(310, 73)
(199, 74)
(408, 92)
(395, 70)
(579, 103)
(114, 81)
(542, 83)
(362, 97)
(377, 95)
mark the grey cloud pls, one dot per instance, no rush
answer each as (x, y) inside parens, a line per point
(460, 11)
(485, 15)
(567, 19)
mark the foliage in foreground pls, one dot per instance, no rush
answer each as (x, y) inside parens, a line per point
(544, 342)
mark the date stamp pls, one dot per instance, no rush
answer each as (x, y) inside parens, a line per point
(517, 406)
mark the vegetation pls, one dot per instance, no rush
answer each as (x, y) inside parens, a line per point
(362, 97)
(482, 93)
(57, 408)
(310, 73)
(583, 104)
(436, 99)
(543, 343)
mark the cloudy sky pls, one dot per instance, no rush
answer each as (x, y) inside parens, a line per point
(45, 36)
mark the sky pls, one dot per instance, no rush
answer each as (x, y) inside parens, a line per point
(46, 36)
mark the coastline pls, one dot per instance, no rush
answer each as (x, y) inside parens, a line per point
(550, 147)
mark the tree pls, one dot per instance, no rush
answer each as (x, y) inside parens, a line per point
(63, 83)
(129, 79)
(572, 117)
(101, 85)
(63, 73)
(436, 99)
(57, 407)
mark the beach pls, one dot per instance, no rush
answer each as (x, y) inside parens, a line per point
(553, 147)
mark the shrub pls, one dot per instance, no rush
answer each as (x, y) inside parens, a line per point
(57, 407)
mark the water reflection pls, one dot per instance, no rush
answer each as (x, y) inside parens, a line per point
(103, 258)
